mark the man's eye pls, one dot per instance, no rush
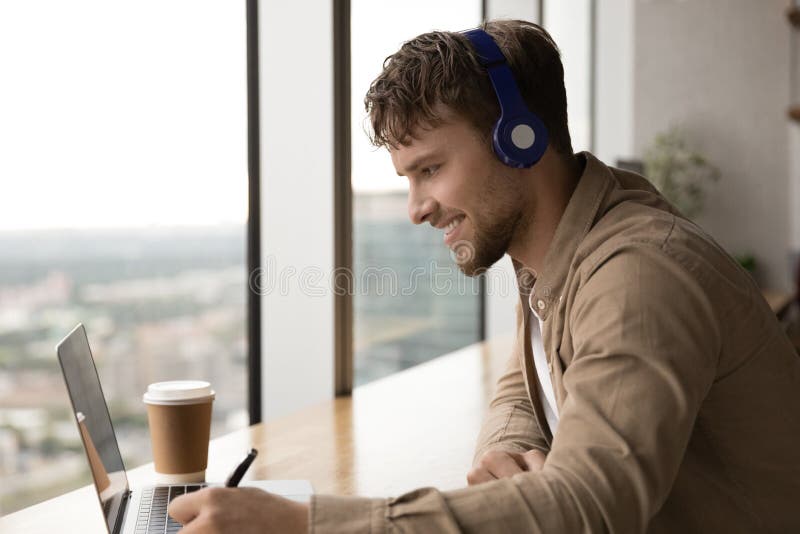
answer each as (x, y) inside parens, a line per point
(430, 171)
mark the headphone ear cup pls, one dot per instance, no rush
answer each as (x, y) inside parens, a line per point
(519, 136)
(521, 141)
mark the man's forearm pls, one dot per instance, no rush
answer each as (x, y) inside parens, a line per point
(509, 428)
(504, 505)
(510, 423)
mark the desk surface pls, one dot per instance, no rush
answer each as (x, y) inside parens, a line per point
(414, 428)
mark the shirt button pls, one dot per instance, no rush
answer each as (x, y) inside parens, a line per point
(540, 304)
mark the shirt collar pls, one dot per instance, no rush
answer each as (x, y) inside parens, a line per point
(532, 306)
(544, 290)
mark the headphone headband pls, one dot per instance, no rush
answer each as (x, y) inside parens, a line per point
(519, 136)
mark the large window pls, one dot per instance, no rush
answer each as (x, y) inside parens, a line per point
(411, 302)
(123, 206)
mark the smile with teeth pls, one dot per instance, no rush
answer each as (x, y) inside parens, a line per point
(452, 226)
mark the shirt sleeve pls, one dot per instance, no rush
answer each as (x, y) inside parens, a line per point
(510, 423)
(645, 349)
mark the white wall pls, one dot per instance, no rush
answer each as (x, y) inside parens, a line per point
(296, 203)
(512, 9)
(720, 68)
(614, 80)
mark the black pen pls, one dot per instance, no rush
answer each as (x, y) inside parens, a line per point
(239, 472)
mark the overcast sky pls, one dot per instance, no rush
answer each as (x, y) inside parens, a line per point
(122, 113)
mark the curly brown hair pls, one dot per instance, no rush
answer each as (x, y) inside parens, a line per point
(440, 68)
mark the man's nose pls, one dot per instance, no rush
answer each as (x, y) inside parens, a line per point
(420, 208)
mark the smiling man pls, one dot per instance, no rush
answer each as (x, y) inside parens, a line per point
(651, 388)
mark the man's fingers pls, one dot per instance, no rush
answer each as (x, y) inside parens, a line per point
(479, 475)
(500, 464)
(186, 507)
(517, 457)
(494, 465)
(503, 465)
(534, 460)
(197, 525)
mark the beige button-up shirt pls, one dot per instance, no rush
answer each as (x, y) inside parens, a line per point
(677, 390)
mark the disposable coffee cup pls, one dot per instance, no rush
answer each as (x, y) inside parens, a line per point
(179, 415)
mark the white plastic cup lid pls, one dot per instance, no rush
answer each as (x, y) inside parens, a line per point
(178, 392)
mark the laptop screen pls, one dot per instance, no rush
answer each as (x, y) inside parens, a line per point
(94, 422)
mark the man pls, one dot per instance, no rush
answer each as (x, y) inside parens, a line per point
(651, 388)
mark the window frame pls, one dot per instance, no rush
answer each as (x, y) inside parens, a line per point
(253, 260)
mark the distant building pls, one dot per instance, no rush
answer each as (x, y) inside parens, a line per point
(411, 302)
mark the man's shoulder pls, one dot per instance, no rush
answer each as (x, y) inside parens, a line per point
(637, 220)
(628, 226)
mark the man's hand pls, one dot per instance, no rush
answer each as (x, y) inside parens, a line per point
(499, 464)
(239, 510)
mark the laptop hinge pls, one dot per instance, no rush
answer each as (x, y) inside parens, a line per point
(123, 507)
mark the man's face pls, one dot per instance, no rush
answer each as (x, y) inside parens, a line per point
(456, 184)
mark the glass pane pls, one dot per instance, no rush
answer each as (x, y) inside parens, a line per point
(411, 302)
(124, 172)
(569, 22)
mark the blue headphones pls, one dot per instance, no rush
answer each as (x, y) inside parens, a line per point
(519, 136)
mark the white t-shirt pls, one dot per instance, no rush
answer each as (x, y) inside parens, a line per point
(546, 394)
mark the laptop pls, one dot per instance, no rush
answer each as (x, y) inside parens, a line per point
(126, 510)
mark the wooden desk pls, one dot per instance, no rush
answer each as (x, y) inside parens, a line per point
(412, 429)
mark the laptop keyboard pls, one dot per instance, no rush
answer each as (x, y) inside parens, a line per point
(153, 517)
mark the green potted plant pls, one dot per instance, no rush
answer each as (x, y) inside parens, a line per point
(680, 173)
